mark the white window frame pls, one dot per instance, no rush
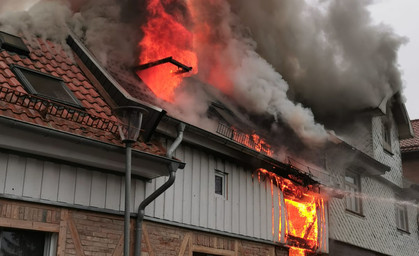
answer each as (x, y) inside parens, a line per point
(353, 202)
(224, 178)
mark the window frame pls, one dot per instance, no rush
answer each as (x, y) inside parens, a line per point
(353, 195)
(50, 239)
(31, 90)
(401, 214)
(386, 135)
(224, 178)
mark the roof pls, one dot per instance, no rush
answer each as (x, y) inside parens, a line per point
(412, 144)
(96, 121)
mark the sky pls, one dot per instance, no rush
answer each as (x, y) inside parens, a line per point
(403, 16)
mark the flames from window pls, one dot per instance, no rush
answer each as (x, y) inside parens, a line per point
(298, 217)
(164, 37)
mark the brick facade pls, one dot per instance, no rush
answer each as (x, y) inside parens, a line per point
(89, 233)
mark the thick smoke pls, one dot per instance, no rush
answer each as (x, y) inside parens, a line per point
(332, 56)
(228, 60)
(275, 57)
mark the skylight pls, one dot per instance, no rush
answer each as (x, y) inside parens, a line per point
(45, 86)
(13, 43)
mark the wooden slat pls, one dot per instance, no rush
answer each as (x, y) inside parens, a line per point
(15, 175)
(67, 184)
(196, 183)
(3, 169)
(75, 236)
(62, 235)
(31, 225)
(50, 180)
(147, 240)
(113, 192)
(33, 178)
(187, 189)
(184, 244)
(83, 187)
(98, 191)
(203, 194)
(203, 249)
(119, 249)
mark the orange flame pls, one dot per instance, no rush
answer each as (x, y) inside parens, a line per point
(252, 141)
(301, 223)
(164, 36)
(297, 252)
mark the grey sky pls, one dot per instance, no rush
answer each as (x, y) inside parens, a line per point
(402, 15)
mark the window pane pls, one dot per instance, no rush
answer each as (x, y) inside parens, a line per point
(350, 179)
(18, 242)
(47, 86)
(218, 185)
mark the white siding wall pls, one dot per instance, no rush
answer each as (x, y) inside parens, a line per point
(246, 210)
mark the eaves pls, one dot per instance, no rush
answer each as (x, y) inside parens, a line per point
(54, 144)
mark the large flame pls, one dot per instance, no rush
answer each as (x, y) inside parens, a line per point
(165, 36)
(301, 211)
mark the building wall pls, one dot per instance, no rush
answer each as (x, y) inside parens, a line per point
(89, 233)
(393, 158)
(376, 228)
(245, 210)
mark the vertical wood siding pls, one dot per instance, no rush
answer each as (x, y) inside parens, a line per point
(246, 208)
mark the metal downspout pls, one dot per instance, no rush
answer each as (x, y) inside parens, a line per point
(159, 191)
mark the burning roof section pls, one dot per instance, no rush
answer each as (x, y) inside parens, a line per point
(92, 119)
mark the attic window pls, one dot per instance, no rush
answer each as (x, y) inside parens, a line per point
(13, 43)
(45, 86)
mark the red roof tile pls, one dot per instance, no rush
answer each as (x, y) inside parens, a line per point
(15, 101)
(412, 144)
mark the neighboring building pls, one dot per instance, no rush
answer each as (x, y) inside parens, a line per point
(373, 217)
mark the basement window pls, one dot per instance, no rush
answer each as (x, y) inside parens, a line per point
(220, 183)
(401, 217)
(353, 187)
(45, 86)
(21, 242)
(13, 43)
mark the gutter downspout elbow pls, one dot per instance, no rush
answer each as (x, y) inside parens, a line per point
(172, 176)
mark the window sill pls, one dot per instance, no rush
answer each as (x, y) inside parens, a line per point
(357, 214)
(402, 231)
(387, 149)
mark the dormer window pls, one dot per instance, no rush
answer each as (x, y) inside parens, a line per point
(45, 86)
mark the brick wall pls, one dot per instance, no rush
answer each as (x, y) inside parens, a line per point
(89, 233)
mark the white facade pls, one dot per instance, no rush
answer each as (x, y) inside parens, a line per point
(375, 228)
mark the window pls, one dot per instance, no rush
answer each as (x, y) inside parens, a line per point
(45, 86)
(220, 183)
(13, 43)
(353, 186)
(386, 135)
(20, 242)
(401, 217)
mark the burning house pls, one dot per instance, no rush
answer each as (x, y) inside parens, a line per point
(238, 165)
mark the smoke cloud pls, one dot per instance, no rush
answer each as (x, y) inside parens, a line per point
(332, 56)
(284, 58)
